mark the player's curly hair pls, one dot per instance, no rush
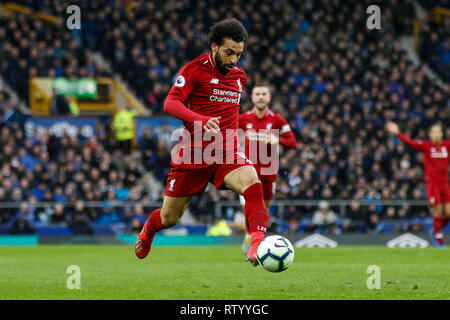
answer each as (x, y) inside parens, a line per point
(228, 28)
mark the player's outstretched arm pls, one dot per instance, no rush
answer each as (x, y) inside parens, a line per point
(393, 128)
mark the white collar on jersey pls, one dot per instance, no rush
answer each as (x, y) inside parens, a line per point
(268, 112)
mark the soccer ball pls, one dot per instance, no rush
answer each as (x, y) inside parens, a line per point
(275, 253)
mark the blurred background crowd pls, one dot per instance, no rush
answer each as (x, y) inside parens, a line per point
(336, 82)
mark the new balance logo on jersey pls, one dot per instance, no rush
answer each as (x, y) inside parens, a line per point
(172, 182)
(214, 80)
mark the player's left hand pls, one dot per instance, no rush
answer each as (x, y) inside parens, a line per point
(392, 127)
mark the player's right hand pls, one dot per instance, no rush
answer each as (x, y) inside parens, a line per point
(392, 127)
(212, 124)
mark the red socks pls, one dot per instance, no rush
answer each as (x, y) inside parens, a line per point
(255, 209)
(153, 224)
(438, 225)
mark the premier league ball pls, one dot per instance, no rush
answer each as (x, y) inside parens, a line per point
(275, 253)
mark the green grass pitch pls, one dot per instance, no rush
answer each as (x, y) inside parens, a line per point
(219, 272)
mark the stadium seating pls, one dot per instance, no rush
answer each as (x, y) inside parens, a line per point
(434, 46)
(336, 81)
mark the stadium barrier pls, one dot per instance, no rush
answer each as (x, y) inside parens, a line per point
(304, 240)
(58, 126)
(279, 207)
(280, 204)
(44, 228)
(342, 204)
(388, 232)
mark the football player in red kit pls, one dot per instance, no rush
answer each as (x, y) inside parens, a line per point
(264, 128)
(206, 97)
(436, 160)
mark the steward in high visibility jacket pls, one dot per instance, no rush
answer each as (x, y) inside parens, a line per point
(123, 123)
(73, 106)
(221, 228)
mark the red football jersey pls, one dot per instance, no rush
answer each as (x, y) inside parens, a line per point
(204, 90)
(435, 158)
(256, 131)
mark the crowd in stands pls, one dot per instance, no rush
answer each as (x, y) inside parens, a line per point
(29, 47)
(72, 171)
(430, 4)
(434, 45)
(336, 82)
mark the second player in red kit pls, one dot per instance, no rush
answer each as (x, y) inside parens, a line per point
(262, 124)
(436, 160)
(206, 97)
(264, 129)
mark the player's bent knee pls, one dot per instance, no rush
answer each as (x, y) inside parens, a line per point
(169, 220)
(172, 210)
(170, 215)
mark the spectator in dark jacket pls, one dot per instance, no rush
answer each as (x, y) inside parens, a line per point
(59, 105)
(80, 219)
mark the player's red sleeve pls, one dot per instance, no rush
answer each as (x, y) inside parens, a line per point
(174, 105)
(417, 145)
(287, 138)
(178, 97)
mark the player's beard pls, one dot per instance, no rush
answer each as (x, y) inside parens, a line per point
(260, 106)
(220, 65)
